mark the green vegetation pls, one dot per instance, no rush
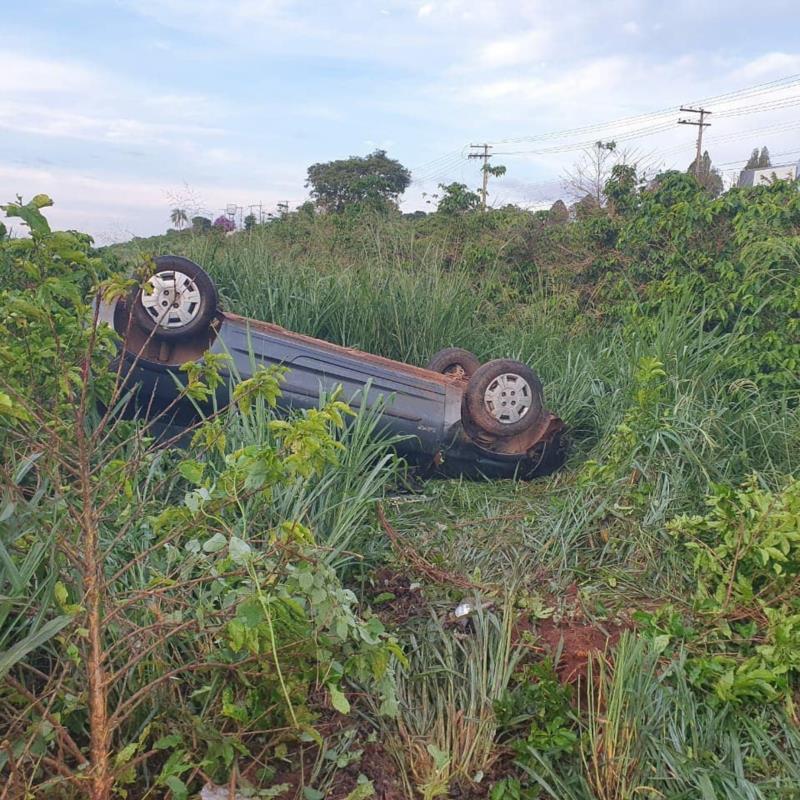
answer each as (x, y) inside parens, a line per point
(373, 181)
(234, 611)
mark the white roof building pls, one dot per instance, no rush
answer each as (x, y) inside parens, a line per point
(766, 175)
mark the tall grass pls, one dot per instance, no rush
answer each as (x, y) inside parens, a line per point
(390, 295)
(393, 308)
(444, 735)
(647, 734)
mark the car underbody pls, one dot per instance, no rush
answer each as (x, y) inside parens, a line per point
(443, 426)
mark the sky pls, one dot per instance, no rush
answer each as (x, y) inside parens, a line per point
(121, 110)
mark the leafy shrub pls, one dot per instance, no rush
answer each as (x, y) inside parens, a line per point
(747, 561)
(160, 620)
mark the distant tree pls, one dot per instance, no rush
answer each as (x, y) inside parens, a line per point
(250, 222)
(585, 207)
(758, 160)
(200, 224)
(752, 162)
(708, 177)
(590, 173)
(673, 186)
(558, 213)
(498, 170)
(307, 209)
(224, 223)
(179, 217)
(375, 180)
(456, 198)
(621, 189)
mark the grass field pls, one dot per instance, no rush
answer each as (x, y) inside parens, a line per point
(635, 630)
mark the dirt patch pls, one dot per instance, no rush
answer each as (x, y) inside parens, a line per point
(574, 643)
(395, 599)
(570, 638)
(379, 767)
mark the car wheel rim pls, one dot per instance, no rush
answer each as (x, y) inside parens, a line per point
(172, 299)
(508, 398)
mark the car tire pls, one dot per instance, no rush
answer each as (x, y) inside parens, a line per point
(454, 361)
(503, 398)
(183, 301)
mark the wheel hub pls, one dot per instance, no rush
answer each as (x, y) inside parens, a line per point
(508, 398)
(171, 298)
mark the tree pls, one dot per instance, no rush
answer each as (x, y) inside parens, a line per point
(752, 162)
(496, 171)
(621, 189)
(179, 217)
(708, 177)
(589, 175)
(457, 199)
(224, 223)
(249, 222)
(558, 213)
(758, 160)
(201, 224)
(374, 180)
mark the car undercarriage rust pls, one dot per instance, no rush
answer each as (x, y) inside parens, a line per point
(398, 366)
(431, 412)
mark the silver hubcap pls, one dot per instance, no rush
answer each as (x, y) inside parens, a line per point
(508, 398)
(171, 298)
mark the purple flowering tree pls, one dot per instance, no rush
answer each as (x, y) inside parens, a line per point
(224, 223)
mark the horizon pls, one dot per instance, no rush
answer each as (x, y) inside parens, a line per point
(121, 112)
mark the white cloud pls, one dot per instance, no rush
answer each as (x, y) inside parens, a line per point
(513, 50)
(110, 206)
(769, 65)
(579, 85)
(62, 123)
(425, 10)
(40, 96)
(21, 74)
(632, 27)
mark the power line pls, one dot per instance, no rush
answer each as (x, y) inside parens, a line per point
(762, 88)
(443, 169)
(483, 153)
(700, 126)
(649, 124)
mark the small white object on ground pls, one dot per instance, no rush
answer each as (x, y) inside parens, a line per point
(213, 792)
(462, 609)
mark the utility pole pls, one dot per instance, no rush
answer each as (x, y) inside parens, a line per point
(700, 125)
(485, 155)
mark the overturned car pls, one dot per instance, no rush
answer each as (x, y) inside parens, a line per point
(456, 416)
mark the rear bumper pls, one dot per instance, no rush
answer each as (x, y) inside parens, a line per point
(465, 457)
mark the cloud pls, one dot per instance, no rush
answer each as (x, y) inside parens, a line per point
(65, 99)
(769, 65)
(21, 74)
(513, 50)
(579, 84)
(112, 206)
(43, 120)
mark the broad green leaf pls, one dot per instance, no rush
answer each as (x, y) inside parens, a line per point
(239, 550)
(338, 700)
(216, 543)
